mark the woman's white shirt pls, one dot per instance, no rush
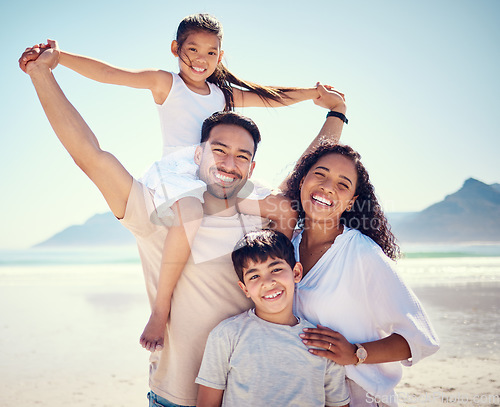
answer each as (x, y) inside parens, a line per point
(354, 289)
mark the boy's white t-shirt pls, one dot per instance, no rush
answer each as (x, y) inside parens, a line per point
(259, 363)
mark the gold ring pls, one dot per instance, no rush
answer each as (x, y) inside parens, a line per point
(329, 345)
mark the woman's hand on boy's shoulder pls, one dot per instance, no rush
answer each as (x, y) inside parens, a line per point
(326, 342)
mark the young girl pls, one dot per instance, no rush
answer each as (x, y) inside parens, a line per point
(202, 86)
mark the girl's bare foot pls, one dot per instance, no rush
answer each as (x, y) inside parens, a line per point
(152, 337)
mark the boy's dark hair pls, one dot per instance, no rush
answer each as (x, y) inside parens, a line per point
(260, 246)
(231, 118)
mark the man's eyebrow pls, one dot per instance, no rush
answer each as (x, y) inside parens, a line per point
(319, 167)
(218, 143)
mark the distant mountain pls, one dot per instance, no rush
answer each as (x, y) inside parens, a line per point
(472, 214)
(100, 230)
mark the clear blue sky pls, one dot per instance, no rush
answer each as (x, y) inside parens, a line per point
(421, 81)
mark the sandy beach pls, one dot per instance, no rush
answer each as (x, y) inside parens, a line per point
(69, 336)
(466, 370)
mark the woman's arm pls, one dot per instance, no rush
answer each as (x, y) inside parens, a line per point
(276, 207)
(209, 397)
(334, 346)
(245, 98)
(333, 100)
(157, 81)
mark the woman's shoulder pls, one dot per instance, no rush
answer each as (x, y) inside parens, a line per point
(355, 237)
(365, 249)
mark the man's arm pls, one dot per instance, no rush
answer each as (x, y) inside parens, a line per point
(105, 171)
(209, 397)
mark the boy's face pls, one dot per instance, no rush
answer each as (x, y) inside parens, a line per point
(271, 286)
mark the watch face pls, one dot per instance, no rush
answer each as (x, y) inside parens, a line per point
(361, 353)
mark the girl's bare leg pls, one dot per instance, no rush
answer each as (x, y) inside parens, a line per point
(188, 215)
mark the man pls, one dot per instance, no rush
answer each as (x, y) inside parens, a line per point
(206, 292)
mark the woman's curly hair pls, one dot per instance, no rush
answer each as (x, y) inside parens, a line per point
(366, 215)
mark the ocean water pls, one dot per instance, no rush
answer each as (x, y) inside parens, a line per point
(420, 266)
(87, 307)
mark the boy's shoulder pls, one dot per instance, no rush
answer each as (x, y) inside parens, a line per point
(304, 323)
(232, 324)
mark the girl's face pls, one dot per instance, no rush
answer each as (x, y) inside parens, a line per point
(328, 188)
(199, 56)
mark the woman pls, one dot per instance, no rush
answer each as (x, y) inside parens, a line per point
(350, 286)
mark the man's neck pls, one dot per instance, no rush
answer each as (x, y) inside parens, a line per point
(219, 207)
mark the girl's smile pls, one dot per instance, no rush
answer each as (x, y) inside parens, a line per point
(199, 56)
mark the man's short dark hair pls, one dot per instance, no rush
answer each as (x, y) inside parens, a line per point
(231, 118)
(260, 246)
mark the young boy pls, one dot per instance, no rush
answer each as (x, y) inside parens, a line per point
(257, 358)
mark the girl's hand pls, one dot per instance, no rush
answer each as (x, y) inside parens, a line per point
(52, 44)
(323, 341)
(330, 98)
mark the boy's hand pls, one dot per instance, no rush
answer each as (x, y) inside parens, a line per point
(39, 54)
(330, 98)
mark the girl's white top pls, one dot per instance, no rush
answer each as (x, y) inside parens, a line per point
(354, 289)
(183, 112)
(175, 175)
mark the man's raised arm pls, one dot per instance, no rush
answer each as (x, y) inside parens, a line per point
(105, 171)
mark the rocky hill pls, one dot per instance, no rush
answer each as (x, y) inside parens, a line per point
(472, 214)
(100, 230)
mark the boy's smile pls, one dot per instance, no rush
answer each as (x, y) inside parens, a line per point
(271, 286)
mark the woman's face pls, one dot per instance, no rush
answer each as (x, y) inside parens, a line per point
(328, 188)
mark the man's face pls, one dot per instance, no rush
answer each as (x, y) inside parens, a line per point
(225, 160)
